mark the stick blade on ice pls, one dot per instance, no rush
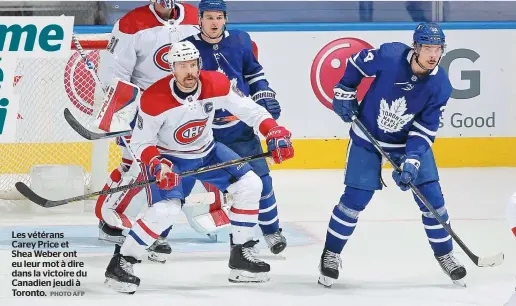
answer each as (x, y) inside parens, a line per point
(29, 194)
(491, 261)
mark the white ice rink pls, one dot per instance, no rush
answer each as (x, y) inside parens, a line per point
(388, 260)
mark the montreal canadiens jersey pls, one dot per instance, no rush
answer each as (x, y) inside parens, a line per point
(140, 42)
(167, 124)
(401, 110)
(234, 57)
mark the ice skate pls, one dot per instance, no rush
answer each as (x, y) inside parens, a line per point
(329, 267)
(159, 250)
(245, 267)
(276, 242)
(453, 268)
(119, 274)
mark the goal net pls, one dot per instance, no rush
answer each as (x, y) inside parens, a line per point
(46, 150)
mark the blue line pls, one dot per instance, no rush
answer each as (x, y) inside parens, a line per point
(317, 27)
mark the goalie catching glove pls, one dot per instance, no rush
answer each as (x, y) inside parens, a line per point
(161, 169)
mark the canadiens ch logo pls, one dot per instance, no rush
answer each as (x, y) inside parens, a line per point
(160, 58)
(190, 131)
(392, 119)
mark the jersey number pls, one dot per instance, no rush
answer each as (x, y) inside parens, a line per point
(369, 57)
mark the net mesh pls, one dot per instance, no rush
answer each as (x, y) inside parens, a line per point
(45, 87)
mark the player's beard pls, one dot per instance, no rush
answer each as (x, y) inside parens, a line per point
(189, 82)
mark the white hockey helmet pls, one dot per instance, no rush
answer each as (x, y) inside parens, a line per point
(183, 51)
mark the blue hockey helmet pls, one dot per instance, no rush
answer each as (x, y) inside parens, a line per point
(429, 33)
(212, 5)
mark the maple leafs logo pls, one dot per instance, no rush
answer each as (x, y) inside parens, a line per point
(392, 119)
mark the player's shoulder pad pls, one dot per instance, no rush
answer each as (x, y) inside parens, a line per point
(393, 50)
(158, 98)
(242, 37)
(190, 14)
(214, 84)
(141, 18)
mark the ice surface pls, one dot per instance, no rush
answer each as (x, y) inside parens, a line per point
(388, 261)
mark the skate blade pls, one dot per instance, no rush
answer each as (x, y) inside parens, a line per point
(111, 239)
(213, 237)
(325, 281)
(460, 282)
(242, 276)
(121, 287)
(158, 257)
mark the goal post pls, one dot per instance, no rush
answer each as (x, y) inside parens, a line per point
(46, 148)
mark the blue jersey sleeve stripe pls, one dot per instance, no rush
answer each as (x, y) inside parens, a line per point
(424, 129)
(428, 140)
(254, 80)
(254, 74)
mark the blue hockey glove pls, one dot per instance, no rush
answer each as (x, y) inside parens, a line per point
(267, 99)
(345, 102)
(408, 174)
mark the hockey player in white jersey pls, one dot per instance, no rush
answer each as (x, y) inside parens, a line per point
(136, 55)
(173, 134)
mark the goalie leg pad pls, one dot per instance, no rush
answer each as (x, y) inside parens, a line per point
(438, 237)
(118, 209)
(207, 212)
(146, 230)
(244, 211)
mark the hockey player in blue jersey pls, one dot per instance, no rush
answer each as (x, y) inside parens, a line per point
(401, 110)
(231, 52)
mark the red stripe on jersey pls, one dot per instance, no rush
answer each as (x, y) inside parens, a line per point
(514, 231)
(141, 18)
(146, 229)
(158, 98)
(191, 15)
(244, 211)
(214, 84)
(148, 154)
(266, 125)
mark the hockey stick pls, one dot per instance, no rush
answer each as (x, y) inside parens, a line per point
(479, 261)
(90, 135)
(32, 196)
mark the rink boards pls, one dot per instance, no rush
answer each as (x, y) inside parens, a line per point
(478, 127)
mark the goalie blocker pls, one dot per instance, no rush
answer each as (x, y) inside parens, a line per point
(204, 210)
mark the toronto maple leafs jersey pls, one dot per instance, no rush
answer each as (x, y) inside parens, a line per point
(401, 110)
(232, 56)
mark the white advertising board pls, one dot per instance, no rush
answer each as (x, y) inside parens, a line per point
(302, 68)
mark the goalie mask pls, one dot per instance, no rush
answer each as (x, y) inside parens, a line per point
(165, 3)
